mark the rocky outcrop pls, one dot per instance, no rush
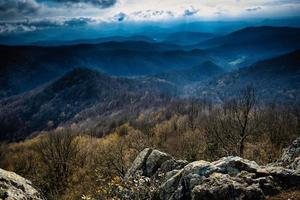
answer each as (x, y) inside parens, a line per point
(150, 160)
(229, 178)
(291, 156)
(15, 187)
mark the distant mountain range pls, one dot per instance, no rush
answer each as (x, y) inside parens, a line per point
(141, 38)
(178, 38)
(197, 73)
(249, 45)
(43, 87)
(187, 37)
(83, 94)
(276, 79)
(261, 36)
(155, 30)
(25, 67)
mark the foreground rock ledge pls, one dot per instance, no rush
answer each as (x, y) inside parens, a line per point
(230, 178)
(15, 187)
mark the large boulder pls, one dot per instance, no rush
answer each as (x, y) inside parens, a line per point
(154, 161)
(220, 186)
(234, 165)
(150, 160)
(15, 187)
(228, 178)
(139, 163)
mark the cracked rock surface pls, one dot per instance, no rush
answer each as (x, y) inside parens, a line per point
(229, 178)
(15, 187)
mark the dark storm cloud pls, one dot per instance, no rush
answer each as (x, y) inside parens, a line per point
(253, 9)
(98, 3)
(11, 9)
(50, 23)
(20, 9)
(120, 17)
(190, 12)
(29, 26)
(81, 21)
(8, 28)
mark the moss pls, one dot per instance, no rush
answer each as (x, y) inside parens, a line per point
(3, 194)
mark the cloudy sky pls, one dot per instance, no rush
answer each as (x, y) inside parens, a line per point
(33, 15)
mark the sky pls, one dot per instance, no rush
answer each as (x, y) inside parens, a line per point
(21, 16)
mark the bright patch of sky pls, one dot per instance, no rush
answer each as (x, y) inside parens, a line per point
(31, 15)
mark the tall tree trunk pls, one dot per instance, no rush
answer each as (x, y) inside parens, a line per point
(241, 147)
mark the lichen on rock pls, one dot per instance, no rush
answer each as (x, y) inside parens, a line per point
(15, 187)
(228, 178)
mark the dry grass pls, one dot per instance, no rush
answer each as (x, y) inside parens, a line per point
(292, 194)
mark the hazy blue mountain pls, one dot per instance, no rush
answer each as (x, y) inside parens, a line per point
(141, 38)
(188, 37)
(25, 67)
(157, 30)
(274, 79)
(81, 90)
(251, 44)
(257, 37)
(199, 72)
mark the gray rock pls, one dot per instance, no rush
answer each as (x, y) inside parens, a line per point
(139, 162)
(201, 167)
(173, 164)
(227, 178)
(15, 187)
(154, 161)
(199, 173)
(169, 174)
(181, 184)
(290, 154)
(170, 189)
(295, 164)
(282, 176)
(148, 162)
(234, 165)
(224, 187)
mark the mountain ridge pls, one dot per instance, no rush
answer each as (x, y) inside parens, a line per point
(197, 73)
(25, 67)
(246, 46)
(277, 79)
(61, 100)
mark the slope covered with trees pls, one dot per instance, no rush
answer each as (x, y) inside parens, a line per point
(275, 79)
(79, 91)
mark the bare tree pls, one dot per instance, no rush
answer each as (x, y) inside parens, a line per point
(193, 111)
(280, 123)
(58, 152)
(220, 135)
(244, 106)
(229, 125)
